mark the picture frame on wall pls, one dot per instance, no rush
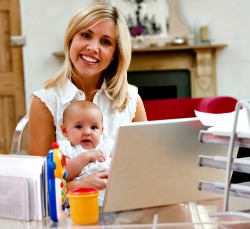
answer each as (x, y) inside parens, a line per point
(151, 22)
(145, 17)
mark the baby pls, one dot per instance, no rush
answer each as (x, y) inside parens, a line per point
(82, 125)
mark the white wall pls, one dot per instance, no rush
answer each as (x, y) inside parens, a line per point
(227, 21)
(44, 23)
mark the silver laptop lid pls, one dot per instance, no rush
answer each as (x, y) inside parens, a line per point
(156, 163)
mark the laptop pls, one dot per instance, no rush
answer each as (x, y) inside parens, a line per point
(155, 163)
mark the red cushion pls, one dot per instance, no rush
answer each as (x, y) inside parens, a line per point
(217, 104)
(160, 109)
(170, 108)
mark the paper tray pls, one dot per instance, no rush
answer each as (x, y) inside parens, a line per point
(222, 138)
(218, 162)
(238, 190)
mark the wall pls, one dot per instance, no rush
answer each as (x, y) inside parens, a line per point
(227, 20)
(44, 23)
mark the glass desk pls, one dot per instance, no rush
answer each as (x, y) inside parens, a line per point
(188, 215)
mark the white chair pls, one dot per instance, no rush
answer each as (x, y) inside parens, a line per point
(20, 143)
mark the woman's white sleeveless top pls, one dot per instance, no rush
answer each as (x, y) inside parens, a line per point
(57, 99)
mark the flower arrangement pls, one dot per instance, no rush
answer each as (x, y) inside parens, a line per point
(137, 30)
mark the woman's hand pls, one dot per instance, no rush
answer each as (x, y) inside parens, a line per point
(97, 180)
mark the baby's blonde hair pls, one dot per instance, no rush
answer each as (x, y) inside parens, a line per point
(80, 104)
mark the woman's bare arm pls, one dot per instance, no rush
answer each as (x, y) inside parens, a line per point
(41, 128)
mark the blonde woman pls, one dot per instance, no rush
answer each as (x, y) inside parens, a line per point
(97, 49)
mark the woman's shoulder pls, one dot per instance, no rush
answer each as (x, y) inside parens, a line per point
(132, 103)
(48, 96)
(50, 92)
(44, 95)
(133, 91)
(132, 88)
(63, 92)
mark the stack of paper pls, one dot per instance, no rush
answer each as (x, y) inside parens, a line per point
(222, 124)
(22, 182)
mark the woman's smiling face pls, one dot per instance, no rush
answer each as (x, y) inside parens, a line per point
(92, 49)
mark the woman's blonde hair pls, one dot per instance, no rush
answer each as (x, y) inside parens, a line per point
(116, 73)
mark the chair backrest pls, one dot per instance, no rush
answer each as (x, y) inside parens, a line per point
(184, 107)
(217, 104)
(20, 143)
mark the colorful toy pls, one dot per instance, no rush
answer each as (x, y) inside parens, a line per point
(57, 174)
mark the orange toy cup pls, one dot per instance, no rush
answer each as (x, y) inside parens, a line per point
(83, 204)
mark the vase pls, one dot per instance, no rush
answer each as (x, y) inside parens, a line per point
(137, 42)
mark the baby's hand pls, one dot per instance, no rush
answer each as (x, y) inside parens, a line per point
(95, 155)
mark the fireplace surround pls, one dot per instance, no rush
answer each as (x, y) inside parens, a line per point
(198, 60)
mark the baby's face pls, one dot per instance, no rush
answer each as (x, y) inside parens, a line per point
(84, 127)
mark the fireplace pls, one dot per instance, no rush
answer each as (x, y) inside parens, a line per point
(193, 65)
(161, 84)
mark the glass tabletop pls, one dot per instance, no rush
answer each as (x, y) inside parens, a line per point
(185, 215)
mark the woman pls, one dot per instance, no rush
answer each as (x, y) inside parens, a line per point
(97, 50)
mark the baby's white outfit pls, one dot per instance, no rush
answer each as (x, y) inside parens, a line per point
(92, 167)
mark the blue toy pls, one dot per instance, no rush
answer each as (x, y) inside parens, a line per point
(57, 174)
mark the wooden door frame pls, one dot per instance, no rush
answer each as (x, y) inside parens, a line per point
(12, 96)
